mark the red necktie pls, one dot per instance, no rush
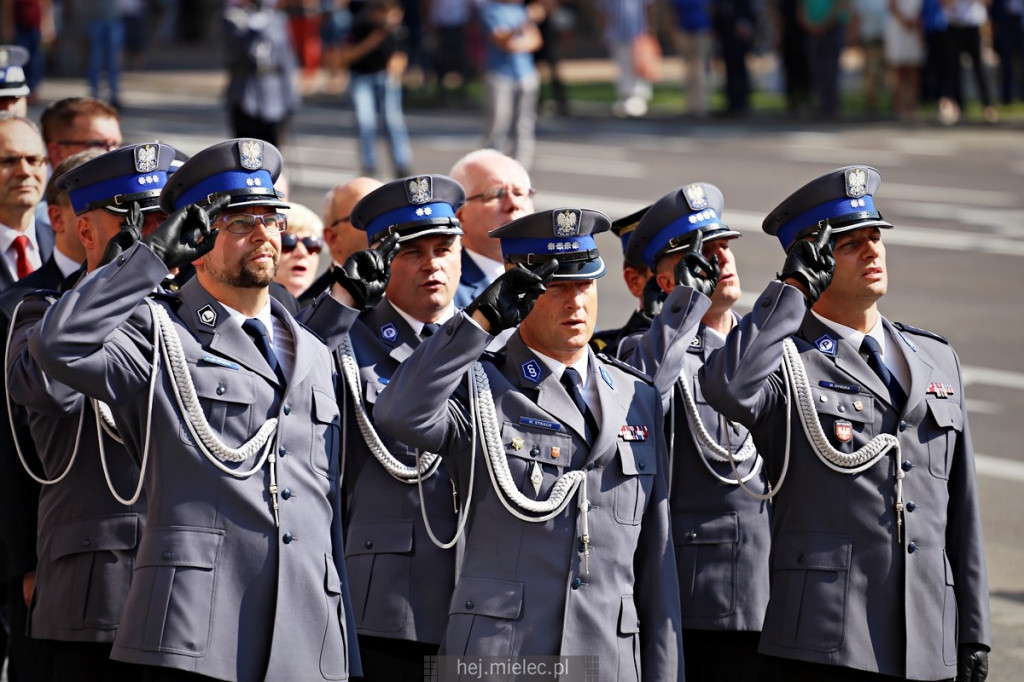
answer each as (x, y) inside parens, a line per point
(21, 262)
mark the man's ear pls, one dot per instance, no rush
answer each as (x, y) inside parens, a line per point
(86, 232)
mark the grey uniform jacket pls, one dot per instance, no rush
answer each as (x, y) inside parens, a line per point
(401, 582)
(721, 534)
(218, 588)
(845, 590)
(524, 588)
(86, 539)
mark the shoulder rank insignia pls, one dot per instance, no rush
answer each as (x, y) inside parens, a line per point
(531, 370)
(920, 332)
(207, 315)
(389, 332)
(826, 344)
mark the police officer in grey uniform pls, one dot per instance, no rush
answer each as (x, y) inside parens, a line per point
(878, 565)
(229, 404)
(401, 580)
(87, 537)
(721, 533)
(568, 551)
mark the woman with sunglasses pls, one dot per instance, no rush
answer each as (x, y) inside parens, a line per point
(300, 249)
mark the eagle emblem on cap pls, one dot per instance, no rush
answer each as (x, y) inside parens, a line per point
(145, 158)
(856, 183)
(695, 197)
(567, 222)
(419, 190)
(250, 153)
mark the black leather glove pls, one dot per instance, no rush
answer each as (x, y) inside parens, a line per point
(131, 232)
(652, 297)
(811, 263)
(697, 272)
(366, 273)
(971, 663)
(510, 298)
(186, 235)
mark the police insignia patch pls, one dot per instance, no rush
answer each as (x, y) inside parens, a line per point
(844, 431)
(826, 344)
(250, 153)
(419, 190)
(856, 183)
(695, 197)
(145, 158)
(207, 315)
(566, 223)
(531, 371)
(389, 332)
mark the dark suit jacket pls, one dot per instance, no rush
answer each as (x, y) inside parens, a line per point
(44, 238)
(471, 283)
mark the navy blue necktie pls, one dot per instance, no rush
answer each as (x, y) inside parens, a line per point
(571, 380)
(429, 329)
(258, 332)
(870, 348)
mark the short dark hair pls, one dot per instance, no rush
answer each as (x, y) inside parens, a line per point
(60, 115)
(52, 194)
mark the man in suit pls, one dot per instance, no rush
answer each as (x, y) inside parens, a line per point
(498, 191)
(239, 573)
(341, 237)
(721, 533)
(878, 565)
(22, 178)
(87, 535)
(401, 580)
(567, 548)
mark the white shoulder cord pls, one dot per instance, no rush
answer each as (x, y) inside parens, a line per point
(107, 417)
(428, 462)
(701, 437)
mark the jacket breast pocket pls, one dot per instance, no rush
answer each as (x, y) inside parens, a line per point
(639, 462)
(326, 441)
(379, 561)
(226, 397)
(484, 612)
(92, 567)
(174, 591)
(845, 418)
(810, 583)
(945, 427)
(531, 450)
(707, 548)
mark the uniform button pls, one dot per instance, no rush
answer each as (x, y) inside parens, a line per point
(582, 546)
(765, 302)
(903, 426)
(368, 544)
(288, 537)
(86, 543)
(641, 465)
(911, 548)
(534, 451)
(287, 408)
(676, 308)
(907, 465)
(691, 536)
(121, 260)
(221, 389)
(590, 467)
(841, 408)
(282, 451)
(470, 604)
(286, 493)
(166, 556)
(800, 559)
(576, 582)
(911, 506)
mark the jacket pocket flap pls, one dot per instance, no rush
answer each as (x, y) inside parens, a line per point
(394, 537)
(332, 581)
(705, 529)
(638, 458)
(224, 385)
(845, 405)
(946, 414)
(629, 622)
(546, 447)
(325, 407)
(180, 546)
(488, 597)
(814, 552)
(108, 534)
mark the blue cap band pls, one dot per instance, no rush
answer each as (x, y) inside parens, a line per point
(106, 190)
(547, 247)
(831, 210)
(625, 240)
(407, 214)
(685, 224)
(226, 182)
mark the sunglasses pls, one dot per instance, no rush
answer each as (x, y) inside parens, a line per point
(290, 241)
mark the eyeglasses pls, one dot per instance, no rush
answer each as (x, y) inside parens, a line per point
(290, 241)
(33, 161)
(106, 145)
(343, 219)
(499, 193)
(245, 223)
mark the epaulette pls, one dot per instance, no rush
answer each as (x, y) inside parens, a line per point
(496, 359)
(920, 332)
(171, 298)
(626, 367)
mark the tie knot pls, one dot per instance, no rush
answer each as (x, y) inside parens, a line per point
(255, 327)
(870, 346)
(570, 377)
(429, 329)
(20, 242)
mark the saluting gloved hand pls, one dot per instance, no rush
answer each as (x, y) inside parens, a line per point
(972, 663)
(653, 296)
(131, 232)
(366, 273)
(510, 298)
(810, 262)
(697, 272)
(186, 235)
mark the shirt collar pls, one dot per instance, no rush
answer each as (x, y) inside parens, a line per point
(557, 368)
(67, 266)
(855, 337)
(263, 316)
(9, 234)
(417, 325)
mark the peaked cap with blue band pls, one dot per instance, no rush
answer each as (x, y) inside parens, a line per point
(623, 229)
(412, 207)
(843, 198)
(112, 181)
(244, 169)
(564, 233)
(12, 74)
(673, 221)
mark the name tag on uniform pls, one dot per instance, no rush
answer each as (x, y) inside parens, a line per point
(845, 388)
(540, 423)
(214, 360)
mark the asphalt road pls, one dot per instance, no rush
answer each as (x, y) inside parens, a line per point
(956, 257)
